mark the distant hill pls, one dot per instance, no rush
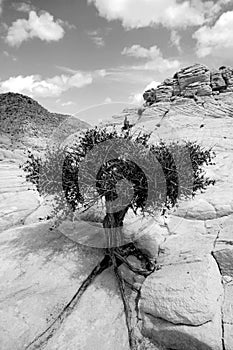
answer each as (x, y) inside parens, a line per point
(25, 123)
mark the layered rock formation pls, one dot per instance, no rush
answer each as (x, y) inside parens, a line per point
(186, 304)
(196, 80)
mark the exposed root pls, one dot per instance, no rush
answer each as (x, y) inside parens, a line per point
(48, 333)
(114, 258)
(127, 311)
(142, 272)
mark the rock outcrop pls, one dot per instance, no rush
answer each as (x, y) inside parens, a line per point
(186, 303)
(177, 310)
(196, 80)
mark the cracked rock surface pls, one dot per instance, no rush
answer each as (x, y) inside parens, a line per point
(185, 304)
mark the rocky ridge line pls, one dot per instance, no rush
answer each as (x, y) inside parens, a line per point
(193, 81)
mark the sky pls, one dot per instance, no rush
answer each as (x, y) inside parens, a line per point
(83, 57)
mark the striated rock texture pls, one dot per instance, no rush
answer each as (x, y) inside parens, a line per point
(196, 80)
(186, 304)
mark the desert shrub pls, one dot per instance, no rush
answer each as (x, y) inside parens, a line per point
(160, 174)
(153, 178)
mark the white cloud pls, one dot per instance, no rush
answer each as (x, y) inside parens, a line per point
(35, 86)
(67, 104)
(99, 41)
(141, 52)
(23, 6)
(1, 5)
(169, 13)
(41, 26)
(175, 40)
(96, 38)
(137, 99)
(108, 100)
(152, 85)
(214, 39)
(153, 55)
(8, 55)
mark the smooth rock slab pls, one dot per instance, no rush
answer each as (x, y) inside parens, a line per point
(16, 201)
(228, 336)
(180, 337)
(228, 305)
(177, 225)
(186, 247)
(198, 209)
(40, 271)
(97, 322)
(183, 293)
(223, 254)
(223, 251)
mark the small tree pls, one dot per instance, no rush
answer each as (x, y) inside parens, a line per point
(127, 171)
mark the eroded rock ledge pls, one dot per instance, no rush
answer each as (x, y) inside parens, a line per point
(196, 80)
(186, 304)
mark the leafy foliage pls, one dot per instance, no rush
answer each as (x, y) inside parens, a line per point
(153, 177)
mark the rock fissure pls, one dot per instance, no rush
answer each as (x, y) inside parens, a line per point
(49, 332)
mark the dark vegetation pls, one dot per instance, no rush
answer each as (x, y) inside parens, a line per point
(154, 178)
(22, 119)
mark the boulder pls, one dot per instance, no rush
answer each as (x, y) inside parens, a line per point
(164, 93)
(168, 335)
(185, 247)
(194, 80)
(227, 73)
(228, 337)
(217, 81)
(223, 251)
(176, 87)
(150, 96)
(185, 294)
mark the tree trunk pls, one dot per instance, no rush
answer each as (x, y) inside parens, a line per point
(113, 224)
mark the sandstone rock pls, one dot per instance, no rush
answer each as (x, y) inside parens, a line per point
(223, 253)
(146, 233)
(150, 96)
(97, 323)
(197, 225)
(192, 74)
(217, 81)
(227, 73)
(16, 201)
(149, 246)
(40, 271)
(196, 88)
(180, 337)
(129, 276)
(179, 225)
(194, 80)
(199, 209)
(163, 93)
(176, 87)
(90, 234)
(186, 247)
(184, 293)
(228, 304)
(228, 337)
